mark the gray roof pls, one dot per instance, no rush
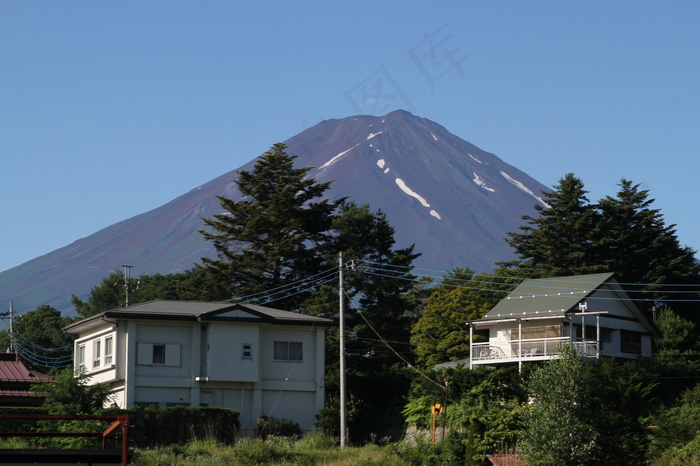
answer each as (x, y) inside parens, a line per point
(548, 296)
(205, 312)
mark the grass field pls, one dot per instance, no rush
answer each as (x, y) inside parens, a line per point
(312, 449)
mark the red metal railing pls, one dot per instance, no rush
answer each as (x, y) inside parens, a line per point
(120, 420)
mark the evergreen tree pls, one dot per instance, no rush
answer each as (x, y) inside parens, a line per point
(271, 236)
(380, 310)
(559, 241)
(379, 285)
(633, 241)
(624, 235)
(678, 336)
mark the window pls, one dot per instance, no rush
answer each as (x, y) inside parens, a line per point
(547, 331)
(109, 343)
(592, 333)
(247, 352)
(96, 353)
(630, 342)
(288, 351)
(81, 358)
(158, 354)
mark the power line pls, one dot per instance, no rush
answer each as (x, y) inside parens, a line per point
(306, 282)
(374, 271)
(442, 273)
(383, 340)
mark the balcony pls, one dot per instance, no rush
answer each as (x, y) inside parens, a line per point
(536, 349)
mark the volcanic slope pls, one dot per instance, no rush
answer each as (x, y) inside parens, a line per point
(455, 201)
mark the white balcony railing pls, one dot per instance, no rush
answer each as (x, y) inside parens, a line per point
(536, 348)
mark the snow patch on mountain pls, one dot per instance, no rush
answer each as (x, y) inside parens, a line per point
(410, 192)
(387, 170)
(524, 188)
(335, 159)
(434, 137)
(475, 159)
(381, 163)
(479, 182)
(435, 214)
(371, 135)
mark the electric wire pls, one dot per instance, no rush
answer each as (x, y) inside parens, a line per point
(442, 273)
(44, 362)
(524, 294)
(30, 343)
(304, 290)
(408, 364)
(281, 290)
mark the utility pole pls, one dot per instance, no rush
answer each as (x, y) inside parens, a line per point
(10, 315)
(13, 347)
(343, 427)
(127, 282)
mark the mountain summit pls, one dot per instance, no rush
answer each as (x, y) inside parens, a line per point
(452, 199)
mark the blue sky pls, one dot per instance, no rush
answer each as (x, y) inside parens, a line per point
(110, 109)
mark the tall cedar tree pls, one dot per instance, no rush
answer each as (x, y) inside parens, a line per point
(624, 235)
(380, 310)
(633, 241)
(380, 306)
(559, 241)
(271, 237)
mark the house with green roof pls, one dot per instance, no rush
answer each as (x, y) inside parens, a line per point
(257, 360)
(592, 313)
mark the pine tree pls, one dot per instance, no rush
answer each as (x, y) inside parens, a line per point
(377, 283)
(634, 242)
(559, 241)
(380, 310)
(271, 237)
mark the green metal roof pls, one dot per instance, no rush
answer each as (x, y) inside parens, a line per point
(547, 296)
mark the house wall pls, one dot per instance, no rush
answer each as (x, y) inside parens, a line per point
(225, 359)
(193, 364)
(98, 364)
(621, 316)
(294, 405)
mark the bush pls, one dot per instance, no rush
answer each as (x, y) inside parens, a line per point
(178, 424)
(270, 426)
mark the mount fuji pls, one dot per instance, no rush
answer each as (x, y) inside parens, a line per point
(455, 201)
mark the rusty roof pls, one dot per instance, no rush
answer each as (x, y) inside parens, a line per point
(12, 369)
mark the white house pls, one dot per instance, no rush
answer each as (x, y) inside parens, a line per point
(254, 359)
(592, 313)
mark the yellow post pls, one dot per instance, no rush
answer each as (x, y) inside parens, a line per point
(435, 410)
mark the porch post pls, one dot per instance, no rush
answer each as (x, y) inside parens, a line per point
(520, 346)
(597, 349)
(571, 332)
(471, 340)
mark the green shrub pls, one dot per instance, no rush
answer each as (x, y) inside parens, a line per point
(270, 426)
(179, 424)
